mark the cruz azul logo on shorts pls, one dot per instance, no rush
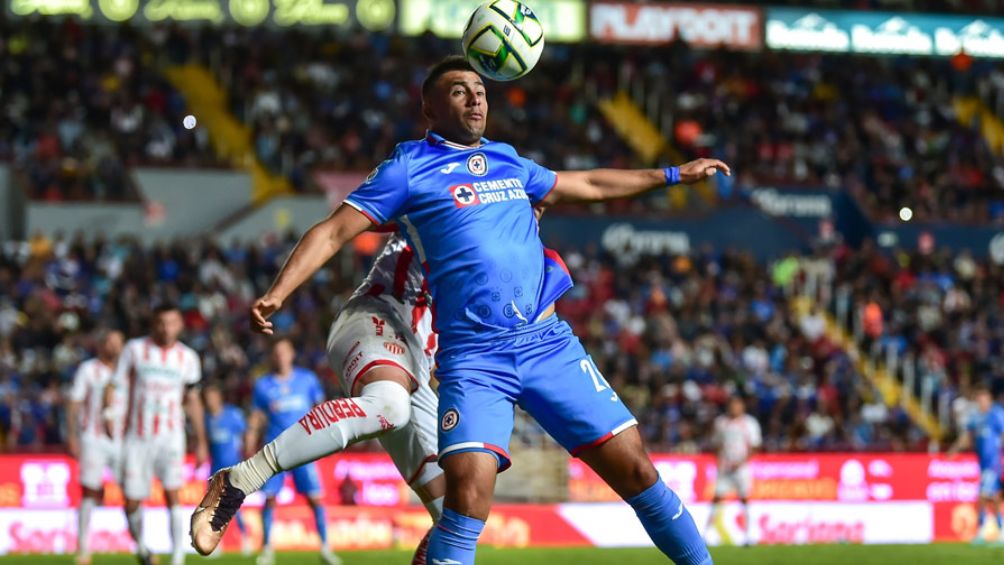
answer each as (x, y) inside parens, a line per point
(464, 195)
(450, 419)
(477, 165)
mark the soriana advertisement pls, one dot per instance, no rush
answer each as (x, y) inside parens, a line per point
(825, 498)
(700, 25)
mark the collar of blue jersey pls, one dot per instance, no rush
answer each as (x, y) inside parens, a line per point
(435, 139)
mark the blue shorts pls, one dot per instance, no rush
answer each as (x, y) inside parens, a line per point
(990, 483)
(544, 370)
(305, 478)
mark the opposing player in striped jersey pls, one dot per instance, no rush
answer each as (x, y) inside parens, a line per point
(94, 425)
(160, 374)
(381, 346)
(736, 437)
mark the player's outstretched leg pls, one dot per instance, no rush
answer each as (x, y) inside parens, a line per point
(329, 427)
(470, 485)
(624, 465)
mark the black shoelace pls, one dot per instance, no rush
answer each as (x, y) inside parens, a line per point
(230, 501)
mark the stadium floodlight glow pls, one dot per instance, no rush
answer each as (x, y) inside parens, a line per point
(905, 214)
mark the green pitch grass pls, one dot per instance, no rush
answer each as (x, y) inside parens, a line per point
(938, 554)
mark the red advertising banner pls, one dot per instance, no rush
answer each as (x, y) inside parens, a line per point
(700, 25)
(820, 477)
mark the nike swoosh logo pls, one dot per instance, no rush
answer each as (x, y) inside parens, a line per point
(679, 512)
(445, 562)
(447, 170)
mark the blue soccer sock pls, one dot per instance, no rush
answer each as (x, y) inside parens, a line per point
(1000, 523)
(455, 539)
(670, 525)
(982, 515)
(321, 521)
(266, 524)
(240, 524)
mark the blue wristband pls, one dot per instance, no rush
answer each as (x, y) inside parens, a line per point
(672, 175)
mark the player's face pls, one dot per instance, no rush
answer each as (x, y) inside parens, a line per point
(984, 401)
(457, 108)
(111, 347)
(282, 356)
(736, 408)
(214, 400)
(167, 327)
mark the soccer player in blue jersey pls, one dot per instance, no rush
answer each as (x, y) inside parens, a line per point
(985, 433)
(225, 428)
(280, 399)
(466, 206)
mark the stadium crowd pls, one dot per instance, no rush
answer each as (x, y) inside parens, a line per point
(675, 335)
(882, 128)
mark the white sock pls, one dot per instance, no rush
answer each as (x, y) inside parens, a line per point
(177, 517)
(749, 526)
(84, 525)
(135, 519)
(435, 508)
(328, 428)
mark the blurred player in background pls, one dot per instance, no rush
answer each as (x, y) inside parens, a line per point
(736, 438)
(94, 430)
(281, 399)
(985, 433)
(159, 373)
(381, 346)
(225, 429)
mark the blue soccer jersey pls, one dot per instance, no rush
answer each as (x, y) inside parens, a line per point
(225, 431)
(468, 213)
(286, 400)
(986, 429)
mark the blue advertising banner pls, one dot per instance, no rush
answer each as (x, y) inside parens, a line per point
(883, 33)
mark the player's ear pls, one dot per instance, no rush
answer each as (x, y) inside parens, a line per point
(427, 112)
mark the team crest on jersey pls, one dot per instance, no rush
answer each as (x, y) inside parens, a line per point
(464, 195)
(477, 165)
(450, 419)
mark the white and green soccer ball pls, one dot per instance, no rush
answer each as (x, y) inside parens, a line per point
(503, 39)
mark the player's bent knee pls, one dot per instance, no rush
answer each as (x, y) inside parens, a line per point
(391, 400)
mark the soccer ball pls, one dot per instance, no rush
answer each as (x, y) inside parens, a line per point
(503, 39)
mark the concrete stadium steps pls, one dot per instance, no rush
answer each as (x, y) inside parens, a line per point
(889, 388)
(231, 138)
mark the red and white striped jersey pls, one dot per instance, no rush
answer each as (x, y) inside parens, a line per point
(155, 379)
(397, 278)
(89, 387)
(736, 438)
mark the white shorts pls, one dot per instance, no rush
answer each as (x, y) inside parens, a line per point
(98, 453)
(146, 458)
(739, 481)
(369, 333)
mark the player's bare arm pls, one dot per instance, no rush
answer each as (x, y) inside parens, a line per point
(963, 442)
(196, 415)
(314, 249)
(610, 184)
(72, 437)
(255, 423)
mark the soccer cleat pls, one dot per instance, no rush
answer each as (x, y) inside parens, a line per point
(83, 560)
(146, 558)
(267, 556)
(422, 551)
(211, 517)
(329, 557)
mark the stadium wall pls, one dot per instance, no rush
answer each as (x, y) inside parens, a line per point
(798, 498)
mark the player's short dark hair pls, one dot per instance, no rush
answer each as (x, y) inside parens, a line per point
(165, 307)
(449, 63)
(281, 339)
(982, 388)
